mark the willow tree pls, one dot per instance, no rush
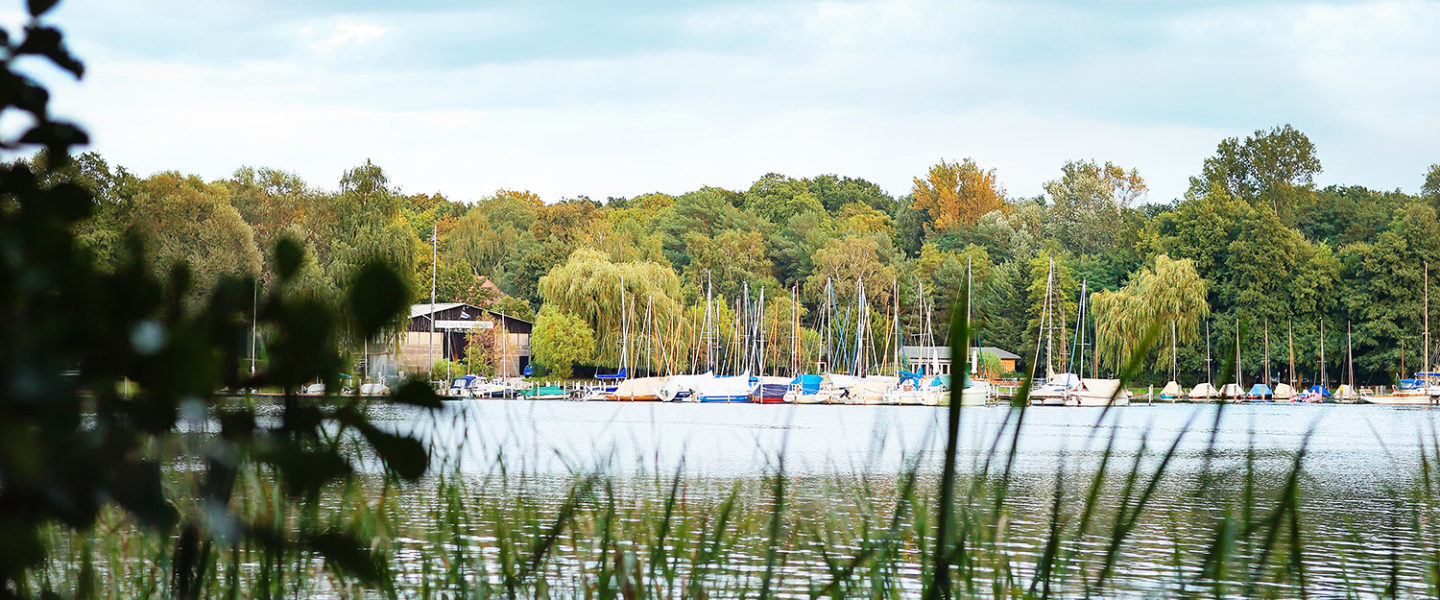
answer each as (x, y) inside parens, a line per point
(588, 285)
(1170, 296)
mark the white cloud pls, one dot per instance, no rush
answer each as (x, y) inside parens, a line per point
(344, 33)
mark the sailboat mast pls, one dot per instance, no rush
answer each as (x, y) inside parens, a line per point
(1290, 325)
(1174, 353)
(1080, 330)
(760, 324)
(899, 338)
(1239, 373)
(1425, 366)
(1349, 357)
(624, 327)
(1208, 378)
(1267, 353)
(709, 335)
(1323, 382)
(1050, 331)
(795, 331)
(434, 254)
(969, 321)
(862, 323)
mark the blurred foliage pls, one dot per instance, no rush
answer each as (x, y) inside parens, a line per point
(127, 305)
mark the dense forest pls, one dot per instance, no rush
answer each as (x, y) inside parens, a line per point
(1253, 244)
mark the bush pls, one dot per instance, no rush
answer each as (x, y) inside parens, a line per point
(560, 340)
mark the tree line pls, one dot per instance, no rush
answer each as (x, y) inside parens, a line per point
(1253, 244)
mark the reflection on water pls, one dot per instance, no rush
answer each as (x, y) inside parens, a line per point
(1362, 530)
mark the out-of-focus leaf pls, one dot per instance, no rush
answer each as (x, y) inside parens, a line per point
(376, 298)
(48, 42)
(306, 471)
(288, 258)
(137, 488)
(416, 393)
(404, 456)
(346, 554)
(40, 7)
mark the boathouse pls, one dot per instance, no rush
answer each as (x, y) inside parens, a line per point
(453, 321)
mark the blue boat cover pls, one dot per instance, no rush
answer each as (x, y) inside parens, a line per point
(620, 375)
(1317, 389)
(1260, 389)
(528, 370)
(809, 384)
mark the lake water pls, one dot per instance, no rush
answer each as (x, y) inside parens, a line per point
(1362, 525)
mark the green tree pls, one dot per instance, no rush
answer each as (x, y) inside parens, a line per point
(1265, 169)
(366, 226)
(729, 261)
(1431, 188)
(274, 204)
(561, 340)
(192, 223)
(777, 198)
(1089, 205)
(835, 192)
(844, 261)
(1343, 215)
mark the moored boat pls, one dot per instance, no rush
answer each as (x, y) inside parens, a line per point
(1204, 392)
(1098, 392)
(638, 389)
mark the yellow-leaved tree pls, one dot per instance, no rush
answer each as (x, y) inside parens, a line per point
(957, 193)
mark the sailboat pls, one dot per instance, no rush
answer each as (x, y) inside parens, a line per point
(976, 392)
(1260, 391)
(1172, 390)
(1232, 391)
(820, 387)
(1416, 391)
(1205, 391)
(1346, 393)
(1056, 386)
(1284, 392)
(1093, 391)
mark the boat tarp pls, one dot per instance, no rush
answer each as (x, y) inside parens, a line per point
(1347, 392)
(1203, 390)
(544, 390)
(875, 386)
(1283, 391)
(621, 375)
(1100, 388)
(1172, 390)
(908, 375)
(1319, 389)
(1064, 380)
(1231, 390)
(1260, 390)
(940, 381)
(808, 384)
(639, 388)
(738, 385)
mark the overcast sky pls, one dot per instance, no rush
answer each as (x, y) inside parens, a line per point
(568, 99)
